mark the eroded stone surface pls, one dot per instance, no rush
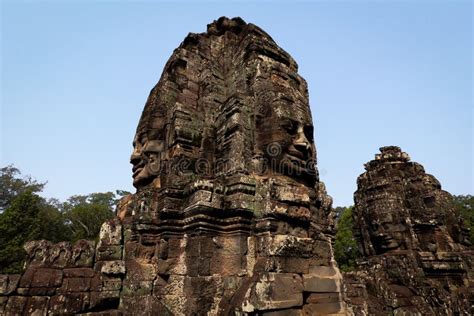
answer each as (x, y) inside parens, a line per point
(230, 216)
(417, 258)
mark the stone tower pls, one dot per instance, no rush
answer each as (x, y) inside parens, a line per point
(229, 212)
(417, 259)
(229, 217)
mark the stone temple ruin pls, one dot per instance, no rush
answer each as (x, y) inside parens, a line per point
(417, 257)
(230, 216)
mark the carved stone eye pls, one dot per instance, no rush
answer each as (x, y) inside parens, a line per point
(290, 127)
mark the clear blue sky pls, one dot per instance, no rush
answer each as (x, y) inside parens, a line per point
(76, 75)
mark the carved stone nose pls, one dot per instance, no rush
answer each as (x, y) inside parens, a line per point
(135, 158)
(301, 142)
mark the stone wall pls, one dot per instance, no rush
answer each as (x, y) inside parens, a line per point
(186, 275)
(65, 279)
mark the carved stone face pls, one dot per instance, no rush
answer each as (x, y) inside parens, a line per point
(146, 159)
(385, 240)
(291, 150)
(298, 153)
(387, 230)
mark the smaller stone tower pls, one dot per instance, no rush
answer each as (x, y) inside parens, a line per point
(417, 258)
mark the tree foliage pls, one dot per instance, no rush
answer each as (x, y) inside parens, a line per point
(465, 206)
(12, 185)
(86, 213)
(24, 216)
(345, 246)
(28, 217)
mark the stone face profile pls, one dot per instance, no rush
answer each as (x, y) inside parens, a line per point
(229, 218)
(417, 258)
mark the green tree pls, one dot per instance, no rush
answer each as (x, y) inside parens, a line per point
(338, 210)
(86, 213)
(24, 216)
(27, 217)
(13, 184)
(465, 206)
(345, 246)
